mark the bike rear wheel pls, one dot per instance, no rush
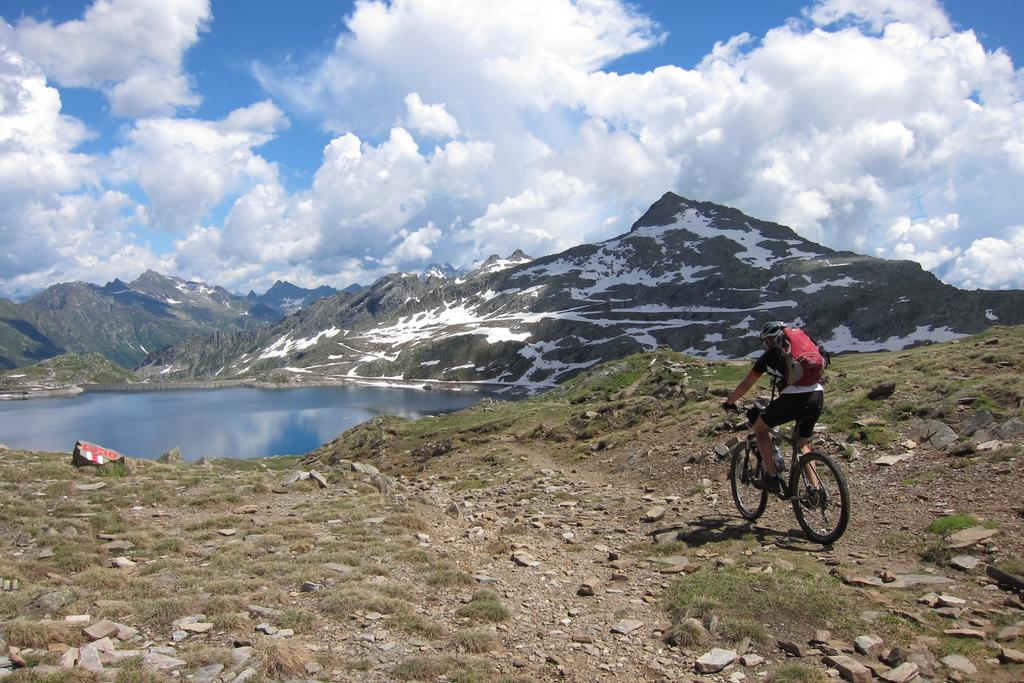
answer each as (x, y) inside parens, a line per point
(823, 511)
(744, 471)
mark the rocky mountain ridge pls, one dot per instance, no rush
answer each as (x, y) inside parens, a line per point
(698, 277)
(286, 298)
(122, 321)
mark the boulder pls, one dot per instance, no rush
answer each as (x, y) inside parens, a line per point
(1012, 429)
(654, 514)
(365, 468)
(881, 391)
(935, 432)
(849, 668)
(974, 421)
(714, 661)
(959, 663)
(172, 457)
(969, 536)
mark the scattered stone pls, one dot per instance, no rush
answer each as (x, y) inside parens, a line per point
(453, 510)
(68, 658)
(965, 633)
(904, 673)
(714, 661)
(310, 587)
(582, 638)
(968, 537)
(339, 568)
(792, 648)
(266, 629)
(208, 674)
(1010, 633)
(118, 545)
(655, 514)
(125, 632)
(868, 645)
(589, 587)
(959, 663)
(245, 675)
(849, 668)
(91, 487)
(227, 532)
(890, 460)
(974, 421)
(964, 563)
(365, 468)
(172, 457)
(1011, 656)
(162, 662)
(320, 479)
(752, 660)
(950, 601)
(937, 433)
(101, 629)
(89, 659)
(122, 563)
(627, 626)
(524, 559)
(196, 627)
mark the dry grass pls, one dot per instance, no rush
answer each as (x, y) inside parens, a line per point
(485, 606)
(473, 640)
(421, 668)
(282, 658)
(449, 578)
(39, 634)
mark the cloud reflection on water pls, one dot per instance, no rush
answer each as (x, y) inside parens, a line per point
(236, 423)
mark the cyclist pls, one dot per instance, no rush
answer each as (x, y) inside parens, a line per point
(801, 403)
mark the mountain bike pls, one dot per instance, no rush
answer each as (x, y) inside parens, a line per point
(816, 486)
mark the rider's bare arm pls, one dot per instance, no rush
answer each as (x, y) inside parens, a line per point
(743, 387)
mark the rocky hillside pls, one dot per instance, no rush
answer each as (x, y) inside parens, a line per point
(584, 534)
(697, 277)
(121, 321)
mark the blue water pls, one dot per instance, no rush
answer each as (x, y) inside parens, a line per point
(233, 423)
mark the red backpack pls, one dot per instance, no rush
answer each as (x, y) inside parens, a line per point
(805, 363)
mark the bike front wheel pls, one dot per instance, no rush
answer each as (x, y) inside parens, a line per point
(823, 510)
(744, 473)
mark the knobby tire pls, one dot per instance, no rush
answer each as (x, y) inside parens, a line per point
(743, 470)
(822, 523)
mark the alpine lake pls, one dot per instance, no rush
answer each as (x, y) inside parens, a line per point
(219, 423)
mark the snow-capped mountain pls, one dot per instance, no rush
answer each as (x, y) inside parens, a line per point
(495, 263)
(440, 271)
(699, 277)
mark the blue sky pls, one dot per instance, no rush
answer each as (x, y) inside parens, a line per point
(324, 142)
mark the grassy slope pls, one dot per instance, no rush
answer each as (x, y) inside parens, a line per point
(663, 388)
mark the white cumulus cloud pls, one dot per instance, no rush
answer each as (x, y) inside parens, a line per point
(430, 119)
(130, 49)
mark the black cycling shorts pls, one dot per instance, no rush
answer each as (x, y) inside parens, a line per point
(805, 408)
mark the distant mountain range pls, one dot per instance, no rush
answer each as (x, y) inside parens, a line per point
(126, 321)
(696, 276)
(286, 298)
